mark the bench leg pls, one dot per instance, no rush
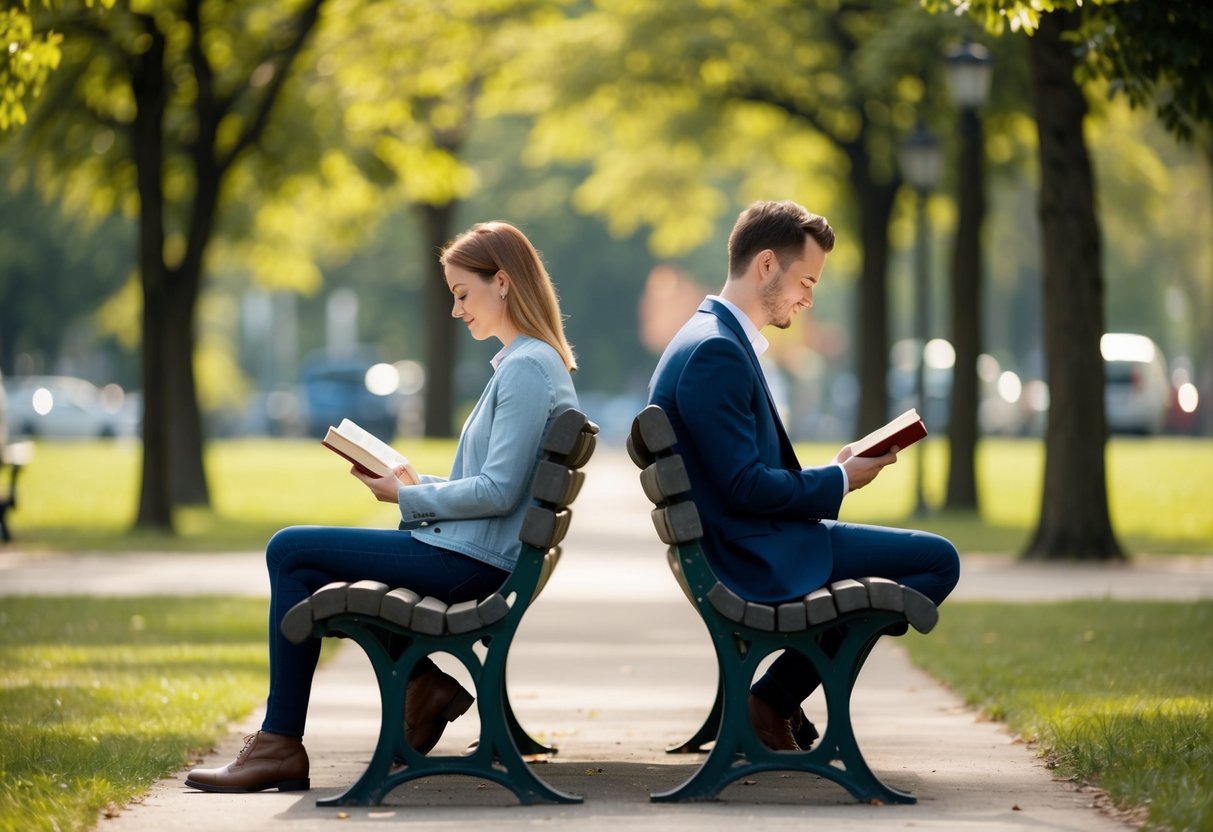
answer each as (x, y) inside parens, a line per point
(739, 753)
(394, 761)
(707, 732)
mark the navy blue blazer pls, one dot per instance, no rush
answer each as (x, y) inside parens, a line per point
(759, 509)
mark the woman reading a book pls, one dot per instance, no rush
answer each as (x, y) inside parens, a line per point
(458, 536)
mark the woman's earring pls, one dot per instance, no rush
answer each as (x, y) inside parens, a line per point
(503, 295)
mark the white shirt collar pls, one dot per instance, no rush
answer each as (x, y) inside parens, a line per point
(505, 351)
(752, 333)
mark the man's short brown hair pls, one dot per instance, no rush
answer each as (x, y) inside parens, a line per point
(779, 226)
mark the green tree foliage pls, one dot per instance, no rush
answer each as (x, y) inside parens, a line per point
(154, 111)
(687, 108)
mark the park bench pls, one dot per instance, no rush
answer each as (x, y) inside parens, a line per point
(13, 458)
(744, 633)
(396, 628)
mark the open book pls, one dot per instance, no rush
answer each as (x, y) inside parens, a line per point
(369, 454)
(903, 431)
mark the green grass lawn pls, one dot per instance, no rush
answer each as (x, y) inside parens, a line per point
(100, 697)
(1159, 492)
(1115, 693)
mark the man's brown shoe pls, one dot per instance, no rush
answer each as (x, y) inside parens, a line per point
(803, 731)
(267, 761)
(433, 700)
(774, 731)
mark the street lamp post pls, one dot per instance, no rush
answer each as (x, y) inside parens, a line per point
(920, 160)
(968, 77)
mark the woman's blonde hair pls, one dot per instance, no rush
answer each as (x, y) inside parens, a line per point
(489, 247)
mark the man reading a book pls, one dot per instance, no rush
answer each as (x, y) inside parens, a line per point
(770, 526)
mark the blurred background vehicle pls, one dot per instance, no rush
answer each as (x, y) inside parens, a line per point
(1137, 392)
(1007, 404)
(383, 398)
(66, 407)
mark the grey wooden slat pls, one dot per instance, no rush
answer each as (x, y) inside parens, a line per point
(463, 617)
(564, 432)
(677, 523)
(849, 595)
(791, 617)
(819, 606)
(397, 606)
(552, 483)
(329, 600)
(641, 458)
(429, 616)
(653, 429)
(365, 597)
(920, 610)
(727, 602)
(665, 478)
(884, 594)
(297, 623)
(538, 528)
(493, 609)
(583, 450)
(759, 616)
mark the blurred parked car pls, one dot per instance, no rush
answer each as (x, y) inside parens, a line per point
(340, 387)
(1006, 405)
(1137, 392)
(66, 407)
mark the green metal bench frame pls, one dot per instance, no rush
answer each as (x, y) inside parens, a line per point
(396, 629)
(744, 633)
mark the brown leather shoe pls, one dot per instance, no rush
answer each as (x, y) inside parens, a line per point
(432, 700)
(774, 731)
(267, 761)
(803, 731)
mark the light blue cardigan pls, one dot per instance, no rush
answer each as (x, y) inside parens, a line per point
(479, 510)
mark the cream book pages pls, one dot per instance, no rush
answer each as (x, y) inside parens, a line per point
(367, 452)
(903, 431)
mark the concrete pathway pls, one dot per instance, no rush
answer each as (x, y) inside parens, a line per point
(612, 665)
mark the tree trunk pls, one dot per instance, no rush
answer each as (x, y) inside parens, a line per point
(1074, 521)
(189, 471)
(966, 319)
(149, 87)
(440, 344)
(872, 314)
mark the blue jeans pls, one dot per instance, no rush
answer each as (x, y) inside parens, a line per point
(920, 560)
(301, 559)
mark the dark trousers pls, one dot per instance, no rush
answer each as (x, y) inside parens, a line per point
(301, 559)
(920, 560)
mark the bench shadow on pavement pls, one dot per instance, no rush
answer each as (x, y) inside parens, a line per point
(604, 784)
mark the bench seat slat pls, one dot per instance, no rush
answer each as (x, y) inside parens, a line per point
(429, 616)
(759, 616)
(819, 606)
(297, 623)
(665, 478)
(329, 600)
(849, 595)
(365, 597)
(397, 606)
(463, 617)
(884, 594)
(920, 610)
(727, 602)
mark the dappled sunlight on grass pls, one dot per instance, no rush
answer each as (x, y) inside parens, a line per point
(1114, 692)
(1158, 494)
(103, 696)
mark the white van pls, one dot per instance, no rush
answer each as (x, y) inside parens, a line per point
(1136, 391)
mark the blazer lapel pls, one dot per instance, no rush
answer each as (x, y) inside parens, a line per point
(730, 320)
